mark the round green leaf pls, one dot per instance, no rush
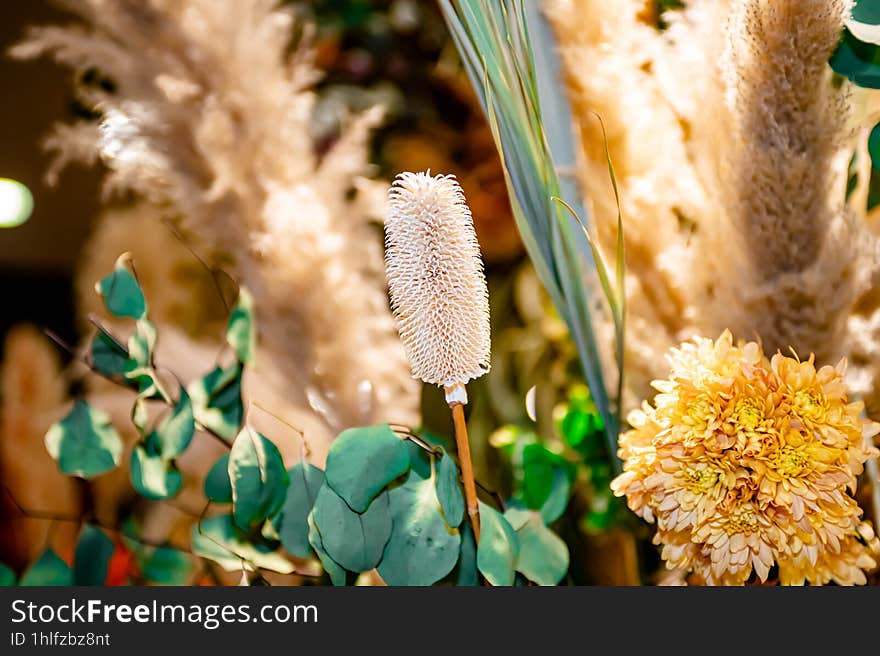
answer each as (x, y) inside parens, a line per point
(498, 547)
(108, 357)
(218, 488)
(538, 471)
(362, 461)
(7, 576)
(353, 540)
(422, 548)
(84, 443)
(220, 540)
(335, 571)
(216, 401)
(467, 575)
(153, 477)
(167, 566)
(857, 61)
(258, 477)
(292, 522)
(48, 570)
(122, 294)
(174, 434)
(449, 491)
(557, 500)
(241, 332)
(543, 556)
(865, 21)
(92, 557)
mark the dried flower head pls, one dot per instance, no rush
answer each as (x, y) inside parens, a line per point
(747, 462)
(435, 276)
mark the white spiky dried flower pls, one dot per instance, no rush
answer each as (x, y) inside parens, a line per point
(435, 276)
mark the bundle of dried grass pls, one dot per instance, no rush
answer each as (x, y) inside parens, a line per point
(208, 121)
(731, 143)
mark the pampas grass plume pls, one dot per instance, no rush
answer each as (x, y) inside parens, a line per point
(435, 275)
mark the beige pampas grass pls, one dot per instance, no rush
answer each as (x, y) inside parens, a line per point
(435, 276)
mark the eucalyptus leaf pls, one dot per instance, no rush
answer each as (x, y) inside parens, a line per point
(92, 557)
(7, 576)
(857, 61)
(241, 331)
(174, 434)
(84, 442)
(258, 477)
(543, 556)
(216, 401)
(362, 461)
(108, 357)
(467, 574)
(218, 487)
(48, 570)
(220, 540)
(422, 548)
(498, 548)
(121, 292)
(167, 566)
(354, 540)
(334, 570)
(292, 522)
(153, 477)
(557, 499)
(449, 491)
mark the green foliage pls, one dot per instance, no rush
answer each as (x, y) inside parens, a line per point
(218, 487)
(92, 557)
(354, 540)
(423, 548)
(292, 523)
(49, 569)
(543, 556)
(173, 436)
(167, 566)
(334, 570)
(220, 540)
(258, 477)
(7, 576)
(84, 443)
(121, 292)
(107, 356)
(361, 462)
(153, 477)
(498, 547)
(467, 575)
(216, 400)
(449, 491)
(241, 333)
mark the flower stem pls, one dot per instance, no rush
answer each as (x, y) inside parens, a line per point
(467, 469)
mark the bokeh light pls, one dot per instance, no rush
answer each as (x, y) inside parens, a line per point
(16, 203)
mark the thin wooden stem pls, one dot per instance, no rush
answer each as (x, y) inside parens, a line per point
(467, 469)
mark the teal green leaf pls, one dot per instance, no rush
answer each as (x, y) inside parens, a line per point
(174, 434)
(258, 477)
(467, 574)
(167, 566)
(449, 491)
(543, 556)
(292, 522)
(857, 61)
(334, 570)
(498, 547)
(108, 357)
(92, 556)
(216, 401)
(241, 333)
(353, 540)
(7, 576)
(422, 548)
(122, 294)
(220, 540)
(48, 570)
(865, 21)
(84, 442)
(361, 462)
(153, 477)
(218, 488)
(874, 146)
(557, 500)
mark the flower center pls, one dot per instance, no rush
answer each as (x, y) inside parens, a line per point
(748, 414)
(700, 480)
(790, 462)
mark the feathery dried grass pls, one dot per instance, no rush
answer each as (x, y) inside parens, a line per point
(209, 122)
(731, 146)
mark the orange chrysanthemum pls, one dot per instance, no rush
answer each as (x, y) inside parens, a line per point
(746, 463)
